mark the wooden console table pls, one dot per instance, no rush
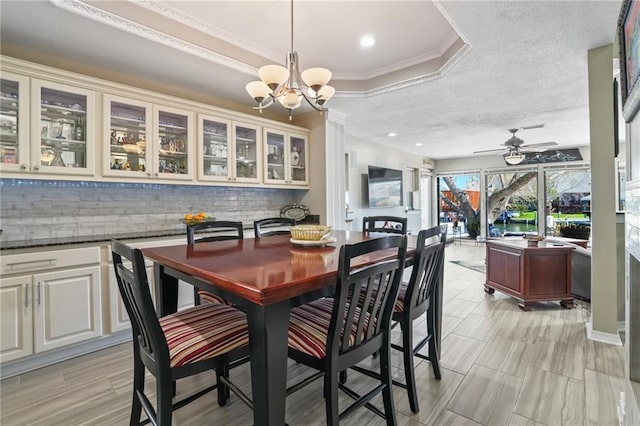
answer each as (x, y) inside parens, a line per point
(530, 274)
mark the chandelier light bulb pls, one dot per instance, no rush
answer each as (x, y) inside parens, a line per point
(291, 99)
(325, 93)
(258, 90)
(273, 75)
(315, 78)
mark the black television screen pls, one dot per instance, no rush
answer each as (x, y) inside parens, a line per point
(385, 187)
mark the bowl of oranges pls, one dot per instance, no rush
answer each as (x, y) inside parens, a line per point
(193, 219)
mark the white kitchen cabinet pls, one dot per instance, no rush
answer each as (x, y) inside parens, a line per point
(62, 129)
(286, 158)
(14, 123)
(228, 151)
(143, 140)
(55, 305)
(126, 126)
(16, 304)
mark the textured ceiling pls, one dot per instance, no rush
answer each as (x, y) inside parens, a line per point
(472, 69)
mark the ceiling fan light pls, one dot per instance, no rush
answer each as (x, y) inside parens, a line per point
(258, 90)
(315, 78)
(290, 100)
(514, 158)
(273, 75)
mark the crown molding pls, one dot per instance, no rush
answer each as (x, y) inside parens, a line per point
(212, 30)
(115, 21)
(457, 57)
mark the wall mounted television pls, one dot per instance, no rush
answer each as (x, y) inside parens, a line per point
(385, 187)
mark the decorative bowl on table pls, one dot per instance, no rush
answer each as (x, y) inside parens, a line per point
(194, 219)
(310, 232)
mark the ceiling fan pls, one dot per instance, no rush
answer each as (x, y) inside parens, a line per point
(514, 148)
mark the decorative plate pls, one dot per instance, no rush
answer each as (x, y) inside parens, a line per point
(295, 211)
(314, 243)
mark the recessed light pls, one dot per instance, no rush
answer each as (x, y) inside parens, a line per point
(418, 144)
(392, 134)
(367, 41)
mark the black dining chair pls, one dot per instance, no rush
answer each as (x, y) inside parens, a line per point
(219, 230)
(388, 224)
(415, 298)
(197, 339)
(273, 226)
(333, 334)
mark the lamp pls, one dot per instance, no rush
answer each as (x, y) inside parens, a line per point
(514, 157)
(288, 86)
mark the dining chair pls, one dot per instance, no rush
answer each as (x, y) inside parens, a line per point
(333, 334)
(221, 231)
(415, 298)
(200, 338)
(389, 224)
(273, 226)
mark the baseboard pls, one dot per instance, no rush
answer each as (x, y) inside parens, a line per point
(33, 362)
(600, 336)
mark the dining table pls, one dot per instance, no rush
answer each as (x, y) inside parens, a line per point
(265, 277)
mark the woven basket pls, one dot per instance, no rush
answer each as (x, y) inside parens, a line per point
(310, 232)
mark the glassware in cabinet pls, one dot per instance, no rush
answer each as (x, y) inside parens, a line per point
(63, 118)
(14, 122)
(174, 143)
(275, 146)
(286, 158)
(127, 128)
(247, 152)
(214, 149)
(298, 160)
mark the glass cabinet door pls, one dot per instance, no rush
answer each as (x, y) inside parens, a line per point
(246, 153)
(214, 149)
(298, 160)
(275, 157)
(14, 123)
(127, 123)
(286, 158)
(63, 119)
(174, 142)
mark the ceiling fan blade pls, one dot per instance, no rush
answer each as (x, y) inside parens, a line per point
(535, 126)
(491, 150)
(536, 145)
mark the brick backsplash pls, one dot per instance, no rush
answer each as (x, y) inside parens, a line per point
(34, 209)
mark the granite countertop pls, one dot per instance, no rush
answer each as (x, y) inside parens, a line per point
(45, 242)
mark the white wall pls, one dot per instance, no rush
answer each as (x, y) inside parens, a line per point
(363, 153)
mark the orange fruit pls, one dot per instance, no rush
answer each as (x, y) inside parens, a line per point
(188, 216)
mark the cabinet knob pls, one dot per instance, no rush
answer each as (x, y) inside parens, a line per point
(36, 167)
(156, 174)
(148, 173)
(23, 166)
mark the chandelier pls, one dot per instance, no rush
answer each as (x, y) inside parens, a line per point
(288, 86)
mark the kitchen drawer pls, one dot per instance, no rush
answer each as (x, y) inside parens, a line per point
(49, 259)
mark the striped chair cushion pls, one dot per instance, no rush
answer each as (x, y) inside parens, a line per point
(203, 332)
(309, 327)
(212, 298)
(399, 305)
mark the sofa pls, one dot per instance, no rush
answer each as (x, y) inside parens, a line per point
(580, 270)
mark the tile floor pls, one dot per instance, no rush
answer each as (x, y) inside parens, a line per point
(500, 366)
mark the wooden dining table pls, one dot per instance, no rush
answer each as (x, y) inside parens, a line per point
(265, 277)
